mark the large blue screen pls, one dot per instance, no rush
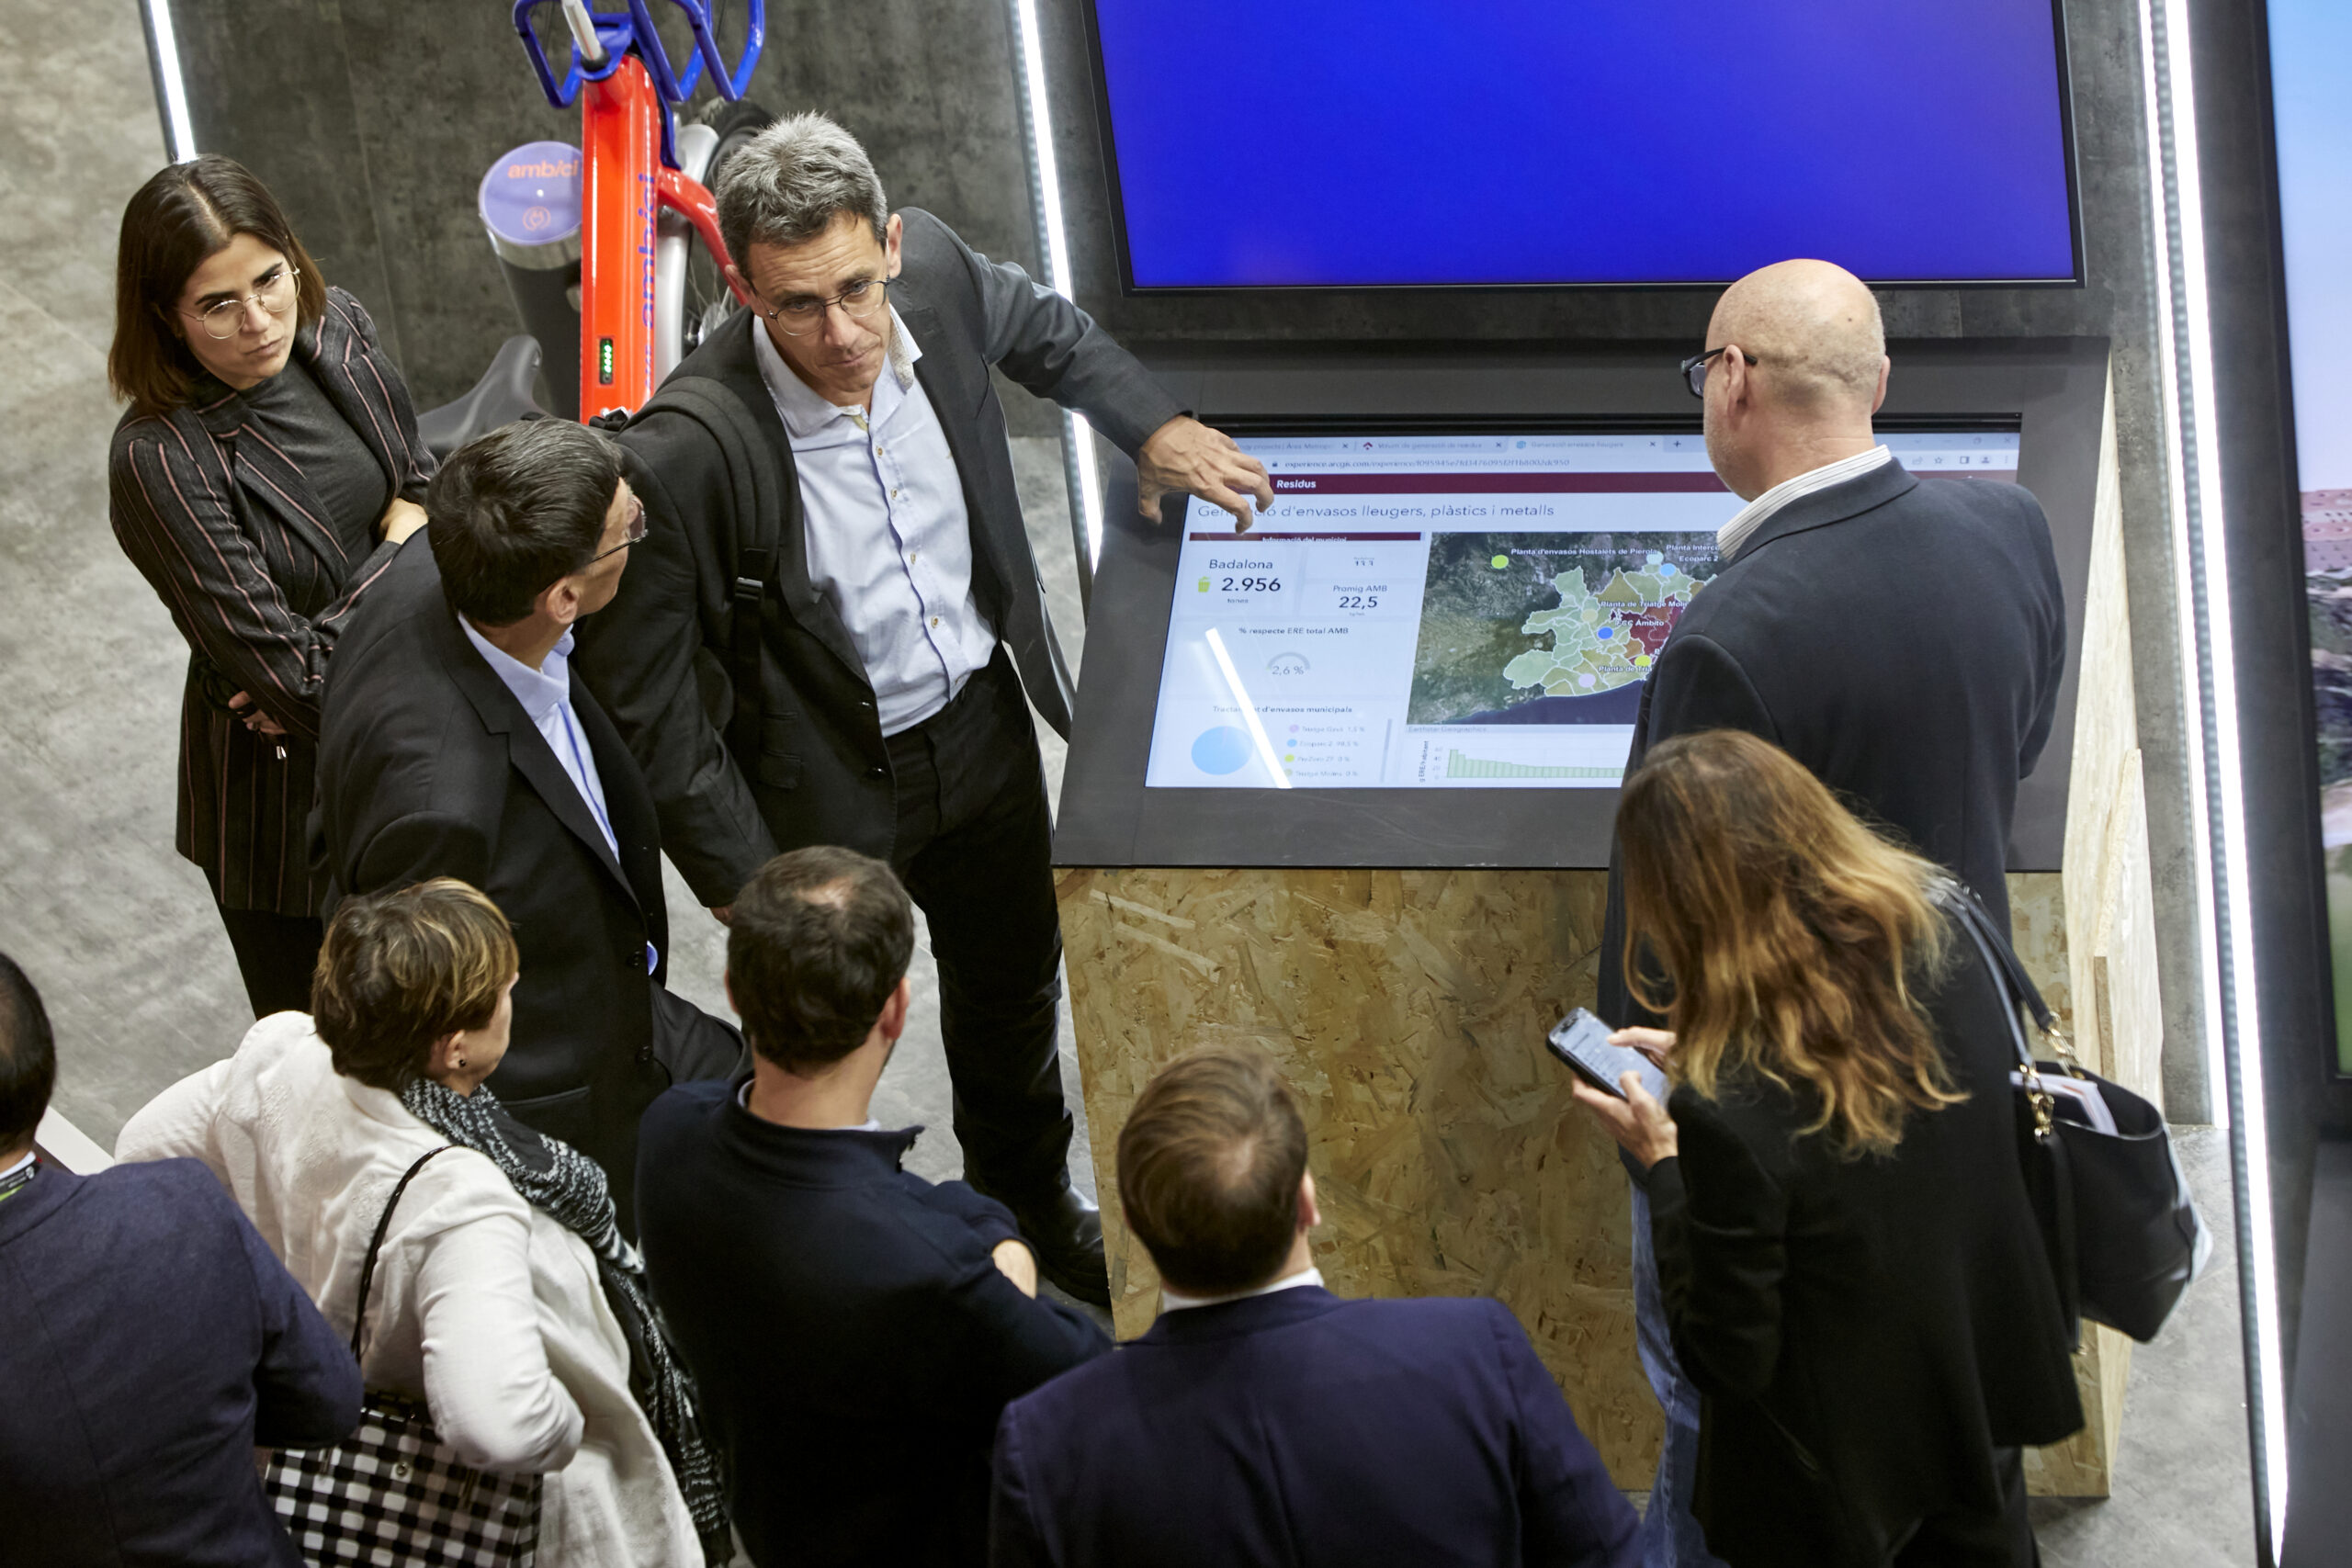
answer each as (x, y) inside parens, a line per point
(1334, 143)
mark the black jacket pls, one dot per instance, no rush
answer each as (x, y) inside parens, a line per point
(1902, 640)
(1301, 1430)
(235, 541)
(658, 656)
(152, 1342)
(1865, 1332)
(429, 767)
(852, 1339)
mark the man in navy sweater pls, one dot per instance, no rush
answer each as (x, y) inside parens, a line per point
(1263, 1420)
(855, 1330)
(152, 1343)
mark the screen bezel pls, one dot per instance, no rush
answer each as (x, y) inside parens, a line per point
(1116, 194)
(1109, 816)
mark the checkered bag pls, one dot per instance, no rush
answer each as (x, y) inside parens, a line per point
(392, 1494)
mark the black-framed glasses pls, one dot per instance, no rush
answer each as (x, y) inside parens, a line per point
(225, 319)
(859, 301)
(1694, 369)
(635, 534)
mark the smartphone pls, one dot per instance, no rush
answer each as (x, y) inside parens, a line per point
(1582, 1041)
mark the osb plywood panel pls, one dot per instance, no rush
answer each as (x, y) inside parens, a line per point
(2128, 1008)
(2105, 711)
(1407, 1009)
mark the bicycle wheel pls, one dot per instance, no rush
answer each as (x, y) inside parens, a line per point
(692, 299)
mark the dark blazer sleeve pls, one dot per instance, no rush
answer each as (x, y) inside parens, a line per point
(1009, 1342)
(1719, 1223)
(1046, 343)
(306, 1387)
(1569, 1511)
(991, 1221)
(1015, 1539)
(168, 493)
(1700, 685)
(413, 848)
(641, 651)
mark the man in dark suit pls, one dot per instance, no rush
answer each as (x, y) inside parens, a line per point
(854, 1329)
(1903, 640)
(1263, 1420)
(152, 1343)
(455, 744)
(828, 636)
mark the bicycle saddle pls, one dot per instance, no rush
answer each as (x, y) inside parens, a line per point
(501, 397)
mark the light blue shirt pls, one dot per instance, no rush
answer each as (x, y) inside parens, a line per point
(890, 541)
(546, 697)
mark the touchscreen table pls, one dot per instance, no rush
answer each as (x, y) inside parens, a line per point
(1461, 611)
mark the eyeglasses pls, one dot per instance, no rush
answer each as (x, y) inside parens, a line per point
(858, 302)
(635, 534)
(1694, 369)
(225, 318)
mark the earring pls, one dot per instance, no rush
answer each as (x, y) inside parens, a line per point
(460, 1064)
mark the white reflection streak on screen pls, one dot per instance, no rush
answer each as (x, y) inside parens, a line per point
(1248, 711)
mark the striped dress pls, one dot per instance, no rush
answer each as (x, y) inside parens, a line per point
(235, 540)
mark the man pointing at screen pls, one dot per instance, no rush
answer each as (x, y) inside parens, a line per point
(834, 629)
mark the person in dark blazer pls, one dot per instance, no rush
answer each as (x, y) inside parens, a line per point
(1263, 1420)
(154, 1342)
(855, 1330)
(1904, 640)
(267, 469)
(457, 745)
(1853, 1271)
(856, 493)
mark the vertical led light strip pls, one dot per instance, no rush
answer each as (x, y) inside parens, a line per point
(171, 92)
(2201, 590)
(1077, 436)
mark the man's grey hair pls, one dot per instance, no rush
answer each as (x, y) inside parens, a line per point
(787, 184)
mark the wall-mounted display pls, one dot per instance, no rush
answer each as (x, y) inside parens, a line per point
(1376, 143)
(2311, 53)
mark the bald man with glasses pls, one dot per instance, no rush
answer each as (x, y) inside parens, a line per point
(1902, 640)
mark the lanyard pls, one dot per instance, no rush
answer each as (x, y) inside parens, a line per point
(14, 1182)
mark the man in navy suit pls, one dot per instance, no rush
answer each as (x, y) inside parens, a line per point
(1264, 1420)
(153, 1342)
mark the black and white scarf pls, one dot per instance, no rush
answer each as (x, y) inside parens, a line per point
(553, 1176)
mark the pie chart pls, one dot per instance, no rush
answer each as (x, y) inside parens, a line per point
(1224, 749)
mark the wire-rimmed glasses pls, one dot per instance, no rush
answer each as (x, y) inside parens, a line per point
(225, 318)
(859, 301)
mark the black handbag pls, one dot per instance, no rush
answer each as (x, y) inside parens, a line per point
(2118, 1224)
(393, 1492)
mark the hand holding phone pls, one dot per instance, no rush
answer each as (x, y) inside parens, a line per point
(1581, 1040)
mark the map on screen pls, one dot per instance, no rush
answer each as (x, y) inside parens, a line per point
(1454, 611)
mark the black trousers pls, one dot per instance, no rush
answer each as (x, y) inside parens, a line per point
(275, 955)
(974, 848)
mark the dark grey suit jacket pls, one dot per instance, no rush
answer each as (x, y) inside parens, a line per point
(658, 657)
(1903, 640)
(430, 767)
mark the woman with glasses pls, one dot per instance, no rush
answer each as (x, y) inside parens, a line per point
(266, 471)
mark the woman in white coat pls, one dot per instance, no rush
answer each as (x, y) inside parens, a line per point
(502, 1296)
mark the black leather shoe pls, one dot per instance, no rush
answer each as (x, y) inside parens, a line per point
(1066, 1233)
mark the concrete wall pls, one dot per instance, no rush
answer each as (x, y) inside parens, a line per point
(374, 123)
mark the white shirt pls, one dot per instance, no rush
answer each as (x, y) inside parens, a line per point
(17, 1166)
(1170, 1301)
(1732, 536)
(890, 541)
(871, 1124)
(546, 697)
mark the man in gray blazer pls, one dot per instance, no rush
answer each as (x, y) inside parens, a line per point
(834, 628)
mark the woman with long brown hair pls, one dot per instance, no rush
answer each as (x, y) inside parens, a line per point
(267, 469)
(1851, 1269)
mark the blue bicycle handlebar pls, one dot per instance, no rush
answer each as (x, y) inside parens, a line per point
(624, 32)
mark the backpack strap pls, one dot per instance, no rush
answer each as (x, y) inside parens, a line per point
(759, 482)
